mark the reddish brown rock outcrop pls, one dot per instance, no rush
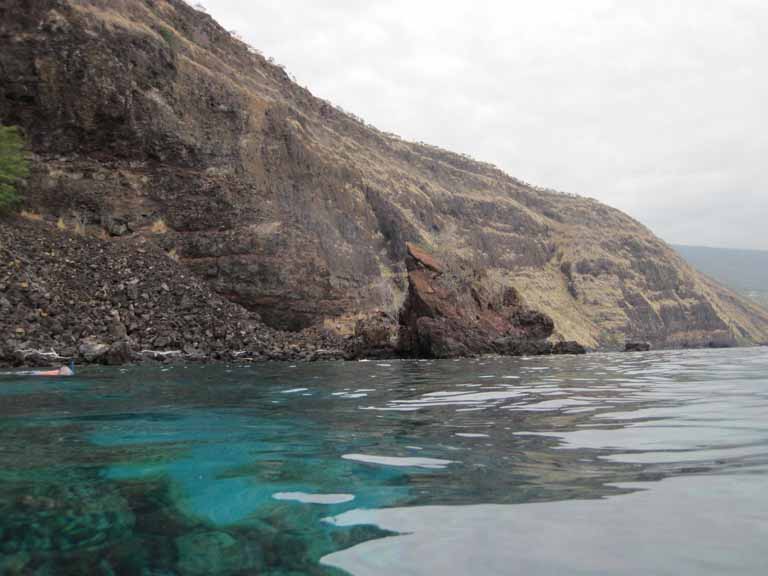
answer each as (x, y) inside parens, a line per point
(452, 312)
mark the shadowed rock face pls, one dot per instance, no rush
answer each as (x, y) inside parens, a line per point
(148, 120)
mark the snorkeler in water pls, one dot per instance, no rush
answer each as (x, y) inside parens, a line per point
(63, 371)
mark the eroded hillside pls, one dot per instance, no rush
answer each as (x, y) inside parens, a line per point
(147, 119)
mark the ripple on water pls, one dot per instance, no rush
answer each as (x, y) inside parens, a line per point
(400, 462)
(305, 498)
(593, 462)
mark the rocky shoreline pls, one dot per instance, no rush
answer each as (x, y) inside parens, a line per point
(67, 296)
(64, 296)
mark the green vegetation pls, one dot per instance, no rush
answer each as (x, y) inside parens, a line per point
(13, 166)
(168, 36)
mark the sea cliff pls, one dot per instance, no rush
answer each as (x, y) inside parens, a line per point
(186, 196)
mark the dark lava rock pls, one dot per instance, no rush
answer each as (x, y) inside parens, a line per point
(375, 337)
(637, 347)
(117, 329)
(65, 291)
(118, 354)
(34, 358)
(92, 350)
(569, 347)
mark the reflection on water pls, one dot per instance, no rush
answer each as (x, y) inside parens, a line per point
(614, 464)
(671, 529)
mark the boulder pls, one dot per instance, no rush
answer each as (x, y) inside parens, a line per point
(637, 347)
(517, 346)
(568, 347)
(118, 354)
(206, 553)
(92, 350)
(162, 341)
(32, 358)
(5, 305)
(117, 329)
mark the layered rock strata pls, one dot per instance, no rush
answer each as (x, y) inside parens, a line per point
(150, 125)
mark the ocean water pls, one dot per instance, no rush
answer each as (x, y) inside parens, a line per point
(606, 464)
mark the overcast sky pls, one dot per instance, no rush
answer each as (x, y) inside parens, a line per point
(656, 107)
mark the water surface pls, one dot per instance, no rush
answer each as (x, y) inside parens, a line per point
(606, 464)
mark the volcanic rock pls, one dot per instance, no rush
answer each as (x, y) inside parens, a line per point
(375, 337)
(170, 151)
(637, 347)
(92, 350)
(459, 312)
(118, 354)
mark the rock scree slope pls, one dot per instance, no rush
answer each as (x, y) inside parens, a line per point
(150, 125)
(65, 296)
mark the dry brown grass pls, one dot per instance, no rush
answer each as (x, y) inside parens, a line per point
(159, 227)
(33, 216)
(114, 19)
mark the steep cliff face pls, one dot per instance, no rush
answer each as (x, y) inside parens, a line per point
(147, 119)
(452, 312)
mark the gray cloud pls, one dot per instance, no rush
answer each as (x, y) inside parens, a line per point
(656, 107)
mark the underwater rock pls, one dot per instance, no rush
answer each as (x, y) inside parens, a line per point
(216, 553)
(47, 518)
(15, 563)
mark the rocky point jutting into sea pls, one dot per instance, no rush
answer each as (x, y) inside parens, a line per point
(187, 198)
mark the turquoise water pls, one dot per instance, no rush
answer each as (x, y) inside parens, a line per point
(605, 464)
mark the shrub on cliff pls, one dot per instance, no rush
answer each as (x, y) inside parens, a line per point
(13, 166)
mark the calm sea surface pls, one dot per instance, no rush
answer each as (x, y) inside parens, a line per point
(644, 464)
